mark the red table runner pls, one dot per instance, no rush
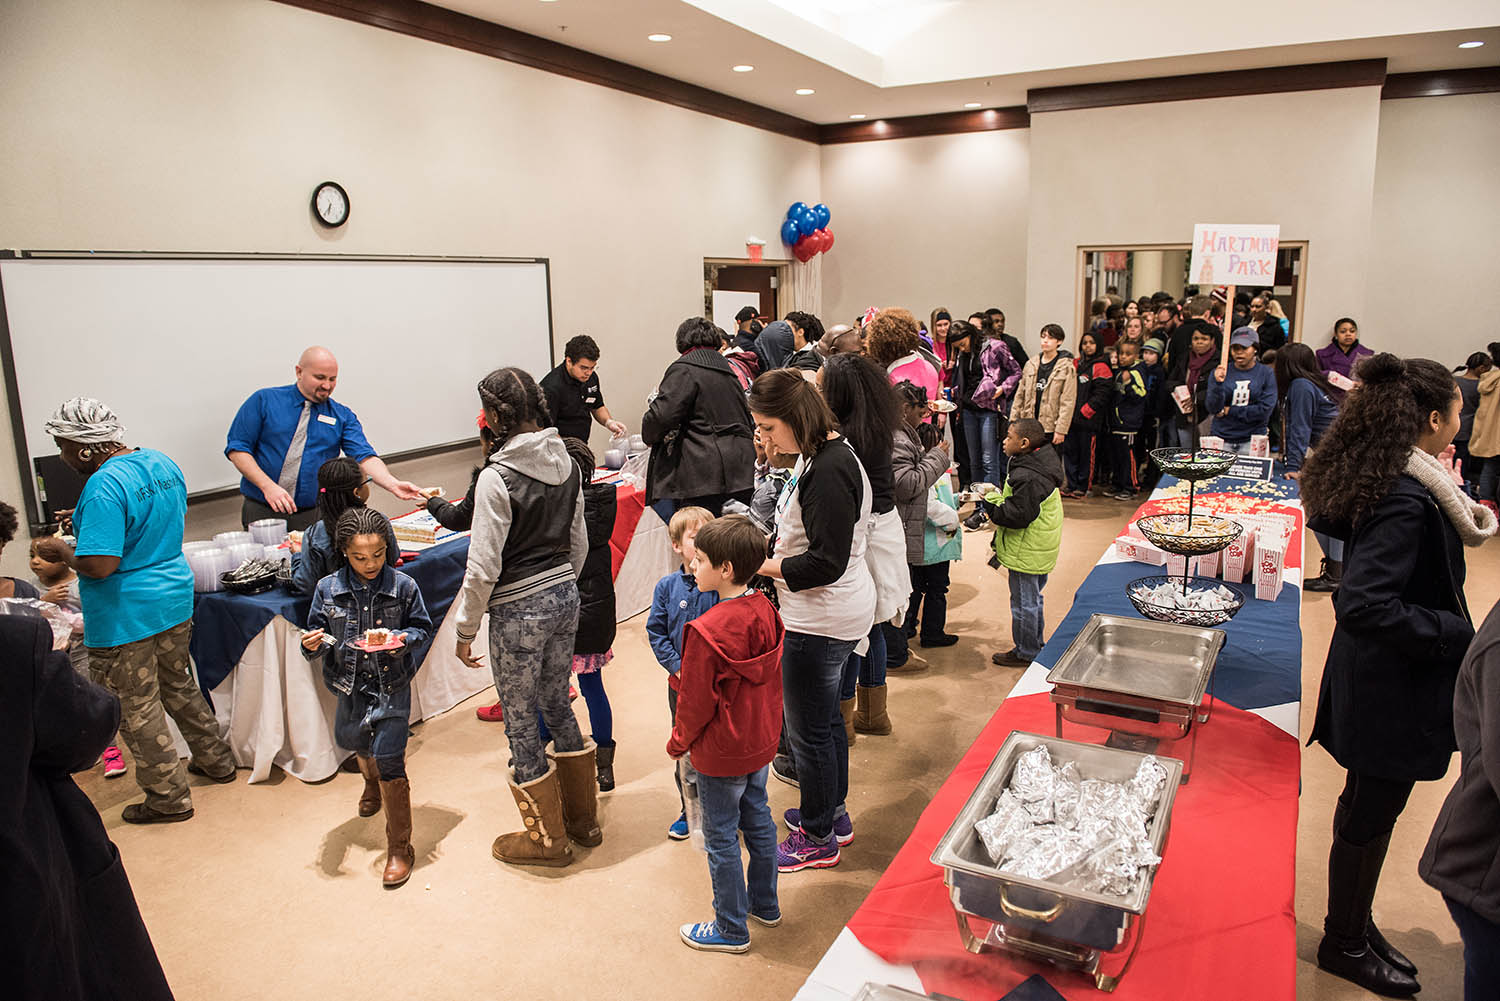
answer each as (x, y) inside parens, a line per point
(630, 504)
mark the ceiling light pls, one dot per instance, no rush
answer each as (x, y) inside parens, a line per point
(743, 68)
(1469, 45)
(973, 104)
(654, 38)
(856, 117)
(804, 91)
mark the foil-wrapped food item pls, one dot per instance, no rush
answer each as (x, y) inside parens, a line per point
(1051, 823)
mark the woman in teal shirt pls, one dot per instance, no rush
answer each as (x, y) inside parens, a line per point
(137, 595)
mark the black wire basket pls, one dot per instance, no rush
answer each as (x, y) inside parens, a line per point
(1170, 533)
(1204, 464)
(248, 585)
(1185, 616)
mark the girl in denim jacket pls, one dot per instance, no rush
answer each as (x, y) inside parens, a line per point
(373, 687)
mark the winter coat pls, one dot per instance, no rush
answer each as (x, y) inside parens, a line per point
(1177, 375)
(1385, 706)
(729, 698)
(675, 602)
(1460, 857)
(596, 585)
(915, 470)
(1468, 389)
(1247, 419)
(775, 345)
(915, 369)
(1270, 334)
(1129, 410)
(69, 926)
(1095, 391)
(457, 516)
(1309, 412)
(699, 430)
(1029, 512)
(999, 371)
(1484, 441)
(1332, 358)
(1180, 340)
(1055, 407)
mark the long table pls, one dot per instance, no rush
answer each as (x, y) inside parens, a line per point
(270, 702)
(1220, 917)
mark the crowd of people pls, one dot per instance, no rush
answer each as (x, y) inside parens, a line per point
(804, 474)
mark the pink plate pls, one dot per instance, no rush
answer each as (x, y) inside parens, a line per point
(396, 643)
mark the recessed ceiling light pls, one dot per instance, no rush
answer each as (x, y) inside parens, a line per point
(658, 37)
(856, 117)
(804, 91)
(973, 104)
(743, 68)
(1469, 45)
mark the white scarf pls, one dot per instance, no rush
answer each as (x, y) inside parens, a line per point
(1474, 522)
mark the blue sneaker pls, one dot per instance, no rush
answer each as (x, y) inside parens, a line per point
(705, 936)
(679, 829)
(843, 827)
(800, 852)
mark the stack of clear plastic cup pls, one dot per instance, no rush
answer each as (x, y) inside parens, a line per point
(226, 539)
(242, 551)
(207, 566)
(269, 531)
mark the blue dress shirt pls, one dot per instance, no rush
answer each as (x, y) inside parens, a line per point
(264, 426)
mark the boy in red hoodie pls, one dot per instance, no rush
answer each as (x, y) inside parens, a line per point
(729, 723)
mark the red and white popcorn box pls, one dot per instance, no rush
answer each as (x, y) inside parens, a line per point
(1205, 565)
(1260, 446)
(1133, 548)
(1211, 441)
(1176, 564)
(1270, 561)
(1237, 555)
(1341, 381)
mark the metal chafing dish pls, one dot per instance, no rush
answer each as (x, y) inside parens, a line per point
(1038, 918)
(1144, 681)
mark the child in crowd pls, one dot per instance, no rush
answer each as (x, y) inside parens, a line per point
(1156, 380)
(596, 614)
(52, 562)
(676, 602)
(1242, 396)
(727, 722)
(12, 587)
(373, 687)
(1030, 517)
(1047, 391)
(772, 474)
(916, 469)
(1126, 418)
(941, 545)
(1095, 383)
(342, 485)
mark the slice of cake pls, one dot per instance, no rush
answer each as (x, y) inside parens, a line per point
(377, 637)
(420, 529)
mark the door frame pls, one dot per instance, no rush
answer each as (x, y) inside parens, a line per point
(782, 268)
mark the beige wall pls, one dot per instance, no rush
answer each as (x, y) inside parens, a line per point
(180, 125)
(1433, 277)
(1123, 176)
(927, 222)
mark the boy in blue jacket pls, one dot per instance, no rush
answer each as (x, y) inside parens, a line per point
(1242, 396)
(676, 602)
(1126, 417)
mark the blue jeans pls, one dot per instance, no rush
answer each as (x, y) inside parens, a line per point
(1481, 939)
(982, 435)
(1489, 476)
(1026, 622)
(1332, 548)
(731, 805)
(868, 670)
(812, 669)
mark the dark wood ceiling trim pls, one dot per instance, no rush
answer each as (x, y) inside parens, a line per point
(1441, 83)
(947, 123)
(437, 24)
(1195, 86)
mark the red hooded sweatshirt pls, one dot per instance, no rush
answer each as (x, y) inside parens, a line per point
(729, 693)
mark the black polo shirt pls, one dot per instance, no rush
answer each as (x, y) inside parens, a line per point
(572, 402)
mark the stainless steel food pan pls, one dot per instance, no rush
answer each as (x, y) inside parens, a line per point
(1158, 661)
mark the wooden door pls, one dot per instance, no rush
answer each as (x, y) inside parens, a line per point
(749, 278)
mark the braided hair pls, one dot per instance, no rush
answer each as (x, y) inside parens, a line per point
(360, 521)
(337, 481)
(511, 397)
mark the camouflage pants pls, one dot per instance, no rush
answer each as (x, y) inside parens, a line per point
(153, 679)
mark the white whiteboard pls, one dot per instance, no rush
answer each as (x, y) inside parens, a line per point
(175, 345)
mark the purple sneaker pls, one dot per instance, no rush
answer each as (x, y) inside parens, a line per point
(843, 827)
(800, 852)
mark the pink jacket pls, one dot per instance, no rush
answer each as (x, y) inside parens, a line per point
(916, 369)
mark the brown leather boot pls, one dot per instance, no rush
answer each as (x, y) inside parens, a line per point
(846, 709)
(369, 800)
(544, 841)
(869, 710)
(399, 857)
(577, 776)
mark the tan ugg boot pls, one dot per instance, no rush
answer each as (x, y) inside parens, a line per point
(399, 857)
(846, 709)
(369, 800)
(544, 841)
(869, 710)
(577, 778)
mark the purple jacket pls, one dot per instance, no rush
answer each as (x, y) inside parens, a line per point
(998, 370)
(1333, 359)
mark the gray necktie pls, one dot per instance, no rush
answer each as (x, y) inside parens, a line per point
(293, 463)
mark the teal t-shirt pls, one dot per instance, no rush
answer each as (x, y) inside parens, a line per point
(133, 508)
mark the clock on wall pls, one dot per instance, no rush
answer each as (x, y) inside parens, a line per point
(330, 204)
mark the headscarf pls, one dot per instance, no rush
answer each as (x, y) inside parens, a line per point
(86, 421)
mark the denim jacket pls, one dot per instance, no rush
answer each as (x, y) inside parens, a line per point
(675, 603)
(395, 603)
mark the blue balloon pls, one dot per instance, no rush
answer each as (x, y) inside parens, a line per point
(807, 222)
(823, 214)
(796, 210)
(790, 234)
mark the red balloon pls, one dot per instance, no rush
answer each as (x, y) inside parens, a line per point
(827, 239)
(805, 248)
(819, 236)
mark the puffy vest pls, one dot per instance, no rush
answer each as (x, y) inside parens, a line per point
(1032, 549)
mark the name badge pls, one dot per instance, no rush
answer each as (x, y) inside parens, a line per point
(327, 419)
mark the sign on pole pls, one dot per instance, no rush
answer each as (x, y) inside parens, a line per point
(1225, 254)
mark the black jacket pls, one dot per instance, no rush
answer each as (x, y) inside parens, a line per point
(1270, 335)
(1180, 341)
(596, 585)
(459, 515)
(1385, 707)
(70, 929)
(699, 430)
(1032, 478)
(1096, 390)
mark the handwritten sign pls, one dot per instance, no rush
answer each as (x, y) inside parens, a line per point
(1234, 254)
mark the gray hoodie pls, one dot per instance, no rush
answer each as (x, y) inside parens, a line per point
(541, 456)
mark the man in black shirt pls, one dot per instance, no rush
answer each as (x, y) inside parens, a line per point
(573, 393)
